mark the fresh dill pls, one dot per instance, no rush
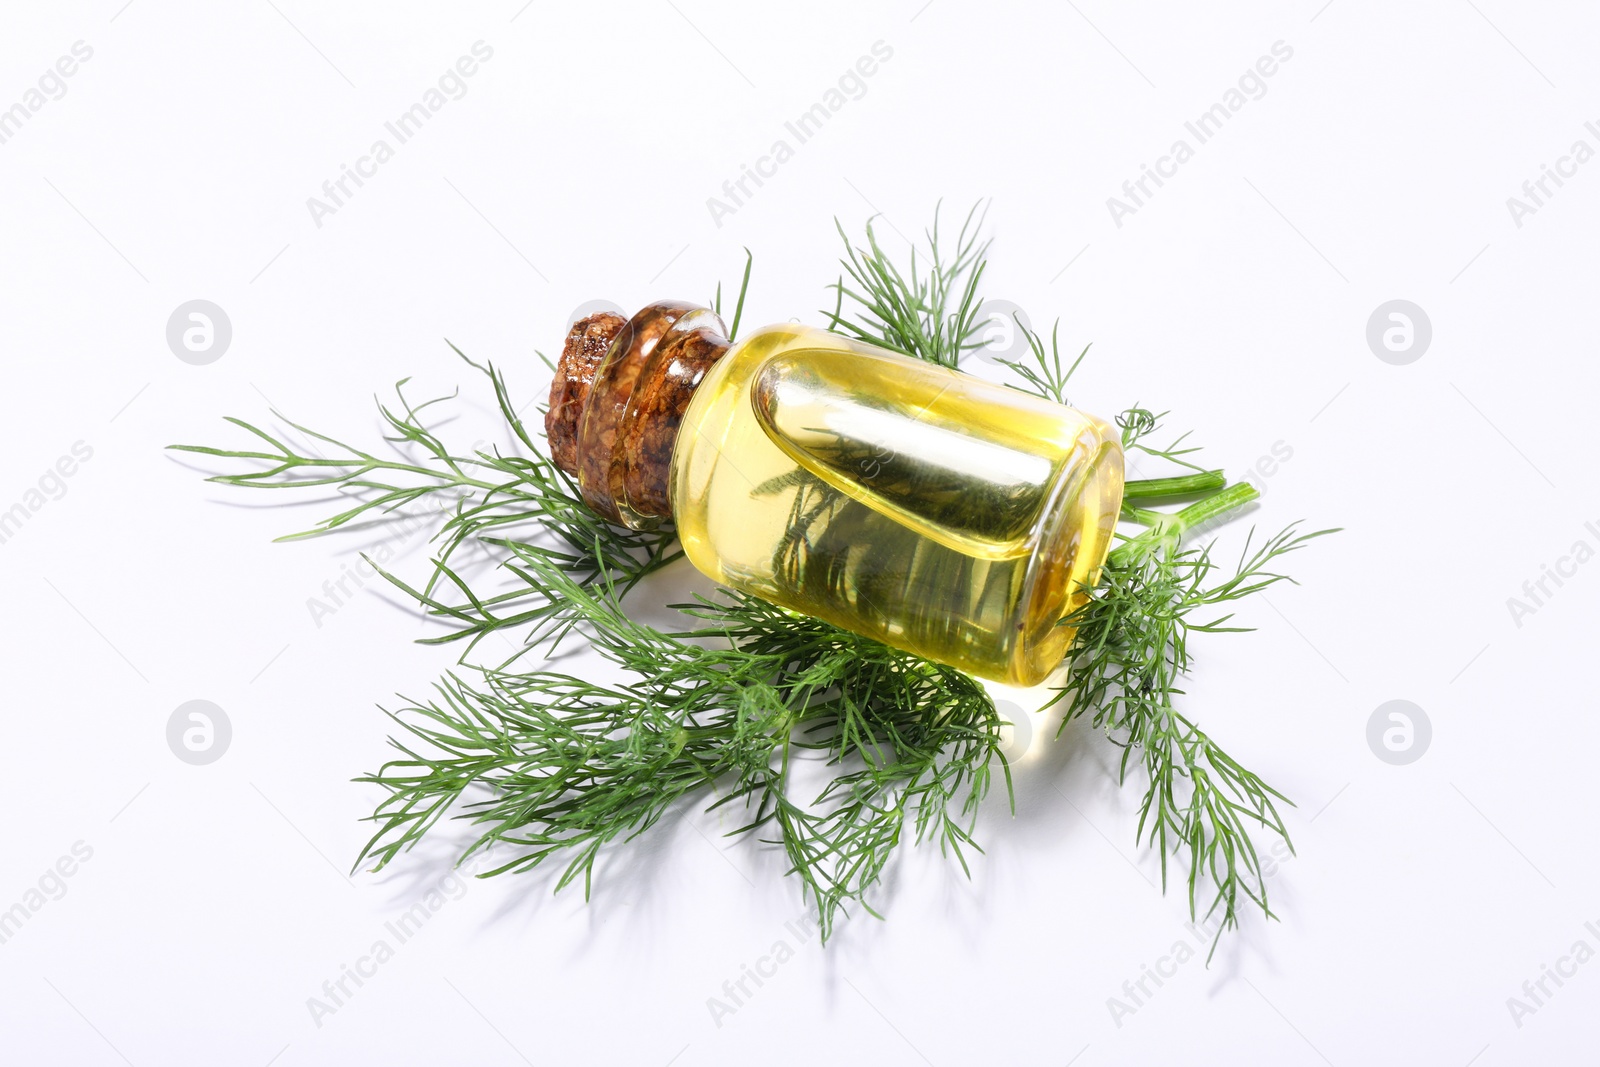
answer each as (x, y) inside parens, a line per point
(545, 765)
(929, 310)
(489, 499)
(1127, 663)
(1130, 654)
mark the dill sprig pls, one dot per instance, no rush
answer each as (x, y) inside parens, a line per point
(510, 503)
(1049, 378)
(544, 765)
(1130, 654)
(929, 310)
(1127, 664)
(549, 764)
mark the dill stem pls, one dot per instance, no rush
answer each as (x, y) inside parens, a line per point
(359, 467)
(1169, 528)
(1215, 506)
(1145, 515)
(1163, 488)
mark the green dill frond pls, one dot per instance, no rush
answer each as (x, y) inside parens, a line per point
(1127, 664)
(929, 310)
(1049, 379)
(1130, 655)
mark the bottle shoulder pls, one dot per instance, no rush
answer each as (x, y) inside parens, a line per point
(781, 337)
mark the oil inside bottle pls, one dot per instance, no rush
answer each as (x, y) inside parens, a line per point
(928, 509)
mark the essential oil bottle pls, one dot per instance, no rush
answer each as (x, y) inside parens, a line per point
(926, 508)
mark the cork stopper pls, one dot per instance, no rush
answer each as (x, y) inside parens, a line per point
(620, 391)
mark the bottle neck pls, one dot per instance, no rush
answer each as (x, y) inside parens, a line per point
(620, 391)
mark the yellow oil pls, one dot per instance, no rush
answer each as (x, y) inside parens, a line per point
(926, 508)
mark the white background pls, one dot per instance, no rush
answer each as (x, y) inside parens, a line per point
(577, 166)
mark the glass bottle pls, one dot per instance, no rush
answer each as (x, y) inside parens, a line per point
(926, 508)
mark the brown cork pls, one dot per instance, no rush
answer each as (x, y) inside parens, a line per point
(614, 418)
(650, 430)
(586, 345)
